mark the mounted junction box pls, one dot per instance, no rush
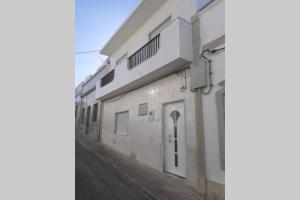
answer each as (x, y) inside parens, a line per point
(199, 72)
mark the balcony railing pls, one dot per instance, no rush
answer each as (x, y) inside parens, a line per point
(147, 51)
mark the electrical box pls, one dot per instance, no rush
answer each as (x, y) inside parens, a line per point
(199, 72)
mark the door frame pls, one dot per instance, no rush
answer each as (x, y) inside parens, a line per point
(164, 132)
(88, 118)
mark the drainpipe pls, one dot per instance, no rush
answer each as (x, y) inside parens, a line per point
(200, 141)
(201, 179)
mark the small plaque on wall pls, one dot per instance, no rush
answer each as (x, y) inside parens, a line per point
(143, 109)
(151, 116)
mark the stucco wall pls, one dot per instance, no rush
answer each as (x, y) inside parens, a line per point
(211, 137)
(212, 21)
(92, 82)
(144, 139)
(214, 14)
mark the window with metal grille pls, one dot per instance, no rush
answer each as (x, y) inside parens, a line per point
(108, 78)
(95, 109)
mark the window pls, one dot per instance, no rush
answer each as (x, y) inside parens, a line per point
(122, 59)
(82, 115)
(203, 4)
(121, 124)
(143, 109)
(159, 28)
(108, 78)
(95, 109)
(220, 103)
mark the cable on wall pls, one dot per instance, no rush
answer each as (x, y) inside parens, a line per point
(211, 51)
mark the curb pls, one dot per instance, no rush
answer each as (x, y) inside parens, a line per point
(129, 180)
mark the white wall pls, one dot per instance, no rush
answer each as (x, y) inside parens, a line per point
(144, 140)
(212, 22)
(211, 136)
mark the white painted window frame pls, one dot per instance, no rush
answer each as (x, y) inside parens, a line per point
(115, 128)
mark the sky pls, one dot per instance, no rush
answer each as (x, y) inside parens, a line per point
(95, 23)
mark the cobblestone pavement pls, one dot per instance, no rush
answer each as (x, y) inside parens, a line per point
(95, 180)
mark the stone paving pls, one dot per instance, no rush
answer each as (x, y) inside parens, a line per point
(95, 180)
(154, 184)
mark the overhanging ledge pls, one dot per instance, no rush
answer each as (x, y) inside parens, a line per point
(139, 16)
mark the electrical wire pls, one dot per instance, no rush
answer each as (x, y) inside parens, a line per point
(210, 85)
(82, 52)
(212, 51)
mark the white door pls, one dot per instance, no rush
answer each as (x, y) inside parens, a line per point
(175, 138)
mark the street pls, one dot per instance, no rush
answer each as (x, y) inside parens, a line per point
(94, 180)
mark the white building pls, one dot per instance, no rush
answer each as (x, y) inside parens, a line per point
(162, 96)
(87, 107)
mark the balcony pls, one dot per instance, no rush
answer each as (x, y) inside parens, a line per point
(147, 51)
(169, 51)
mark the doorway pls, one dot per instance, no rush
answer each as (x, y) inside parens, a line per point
(87, 123)
(174, 138)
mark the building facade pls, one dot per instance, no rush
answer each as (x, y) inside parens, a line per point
(87, 107)
(161, 99)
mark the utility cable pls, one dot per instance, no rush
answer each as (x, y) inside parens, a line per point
(82, 52)
(211, 51)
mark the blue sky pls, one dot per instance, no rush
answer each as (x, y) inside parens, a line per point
(95, 23)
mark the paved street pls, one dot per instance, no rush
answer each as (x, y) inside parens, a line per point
(97, 181)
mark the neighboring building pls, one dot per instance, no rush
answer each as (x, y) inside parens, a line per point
(87, 107)
(162, 96)
(78, 92)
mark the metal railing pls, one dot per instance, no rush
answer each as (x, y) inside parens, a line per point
(147, 51)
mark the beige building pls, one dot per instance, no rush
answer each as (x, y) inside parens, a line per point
(161, 97)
